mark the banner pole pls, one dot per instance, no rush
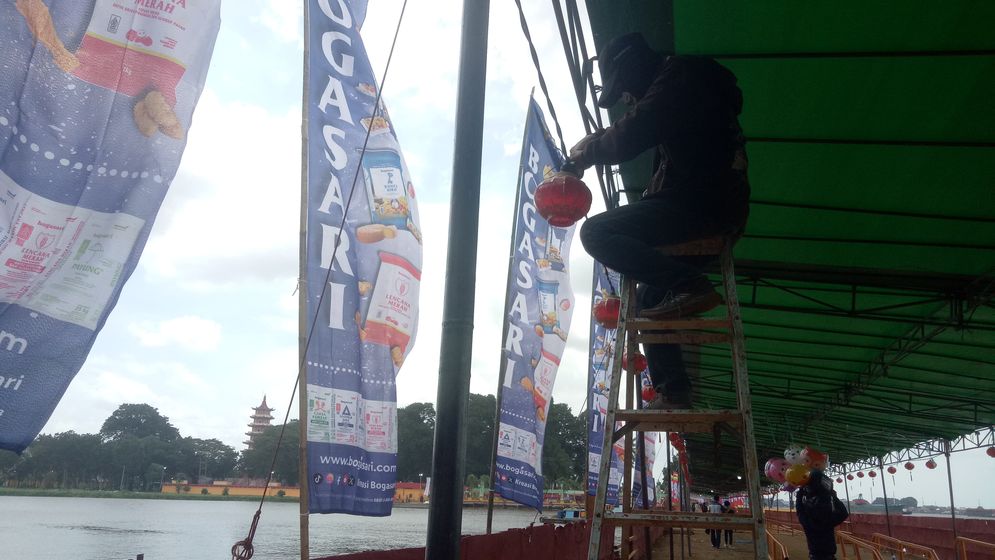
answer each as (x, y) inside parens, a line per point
(302, 323)
(449, 448)
(503, 363)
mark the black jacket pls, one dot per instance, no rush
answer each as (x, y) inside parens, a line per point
(690, 114)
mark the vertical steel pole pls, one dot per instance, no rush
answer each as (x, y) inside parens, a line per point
(670, 494)
(950, 486)
(448, 454)
(302, 315)
(884, 490)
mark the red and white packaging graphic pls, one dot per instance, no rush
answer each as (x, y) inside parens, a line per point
(132, 47)
(391, 316)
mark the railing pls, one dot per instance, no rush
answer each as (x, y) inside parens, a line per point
(861, 549)
(775, 550)
(902, 550)
(961, 547)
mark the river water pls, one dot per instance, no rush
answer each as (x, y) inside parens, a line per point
(42, 528)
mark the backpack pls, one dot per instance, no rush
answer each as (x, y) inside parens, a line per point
(839, 512)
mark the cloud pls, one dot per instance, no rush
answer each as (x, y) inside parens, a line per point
(285, 20)
(188, 332)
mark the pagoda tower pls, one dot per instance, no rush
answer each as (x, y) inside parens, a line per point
(261, 419)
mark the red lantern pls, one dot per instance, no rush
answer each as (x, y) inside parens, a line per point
(991, 452)
(606, 311)
(563, 199)
(892, 470)
(649, 393)
(639, 362)
(860, 474)
(849, 477)
(931, 464)
(839, 480)
(909, 466)
(872, 474)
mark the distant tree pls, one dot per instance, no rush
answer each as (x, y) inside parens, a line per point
(480, 434)
(256, 461)
(138, 420)
(415, 434)
(564, 454)
(909, 502)
(472, 481)
(206, 457)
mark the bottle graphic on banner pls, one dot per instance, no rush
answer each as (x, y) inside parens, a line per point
(385, 188)
(547, 305)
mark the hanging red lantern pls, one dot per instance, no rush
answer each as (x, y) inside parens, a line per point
(839, 480)
(639, 362)
(991, 452)
(606, 311)
(563, 199)
(909, 466)
(860, 474)
(673, 437)
(872, 474)
(849, 477)
(649, 393)
(892, 470)
(931, 464)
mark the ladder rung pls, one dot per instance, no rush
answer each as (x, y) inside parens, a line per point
(681, 519)
(677, 324)
(683, 338)
(688, 421)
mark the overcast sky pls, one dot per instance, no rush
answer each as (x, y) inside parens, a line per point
(207, 325)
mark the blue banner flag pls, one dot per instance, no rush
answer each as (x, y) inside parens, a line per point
(602, 351)
(96, 99)
(363, 271)
(539, 309)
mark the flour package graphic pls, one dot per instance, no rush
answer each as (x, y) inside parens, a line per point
(540, 306)
(96, 98)
(365, 292)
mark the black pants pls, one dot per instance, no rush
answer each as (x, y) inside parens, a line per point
(626, 238)
(716, 537)
(728, 537)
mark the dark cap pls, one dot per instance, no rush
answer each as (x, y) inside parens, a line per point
(620, 59)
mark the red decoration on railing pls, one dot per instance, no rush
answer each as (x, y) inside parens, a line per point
(563, 199)
(639, 363)
(931, 464)
(849, 477)
(839, 480)
(892, 470)
(606, 311)
(991, 452)
(909, 466)
(872, 474)
(860, 474)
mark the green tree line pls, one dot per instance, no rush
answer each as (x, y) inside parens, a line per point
(138, 449)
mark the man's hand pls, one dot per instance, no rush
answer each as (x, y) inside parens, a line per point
(577, 152)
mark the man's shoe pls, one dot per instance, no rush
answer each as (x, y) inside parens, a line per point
(678, 401)
(697, 298)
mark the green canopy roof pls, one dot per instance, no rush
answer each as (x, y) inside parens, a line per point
(866, 272)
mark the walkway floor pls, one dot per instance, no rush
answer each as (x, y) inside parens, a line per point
(742, 547)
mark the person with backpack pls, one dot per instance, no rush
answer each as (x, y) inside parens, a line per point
(685, 109)
(819, 512)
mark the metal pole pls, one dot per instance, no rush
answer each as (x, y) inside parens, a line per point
(645, 493)
(302, 314)
(950, 486)
(884, 490)
(446, 507)
(502, 368)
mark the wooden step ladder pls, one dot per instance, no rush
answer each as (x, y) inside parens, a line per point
(692, 330)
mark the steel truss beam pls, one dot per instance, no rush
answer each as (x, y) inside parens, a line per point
(923, 450)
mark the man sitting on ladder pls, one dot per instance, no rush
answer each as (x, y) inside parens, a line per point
(686, 107)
